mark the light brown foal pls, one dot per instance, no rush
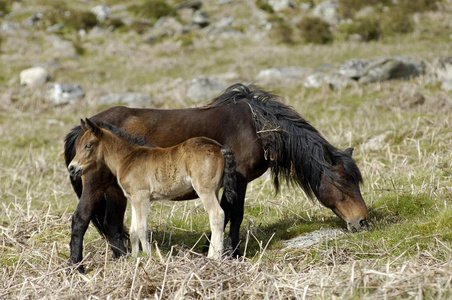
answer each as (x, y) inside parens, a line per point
(146, 174)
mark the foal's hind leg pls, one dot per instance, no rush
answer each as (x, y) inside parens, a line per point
(138, 228)
(216, 220)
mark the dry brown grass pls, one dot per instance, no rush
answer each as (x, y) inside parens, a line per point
(408, 176)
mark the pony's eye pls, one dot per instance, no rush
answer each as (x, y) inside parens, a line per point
(88, 146)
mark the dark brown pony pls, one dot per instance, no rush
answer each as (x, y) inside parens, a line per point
(263, 133)
(147, 174)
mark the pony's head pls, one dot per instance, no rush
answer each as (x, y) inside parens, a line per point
(87, 154)
(339, 189)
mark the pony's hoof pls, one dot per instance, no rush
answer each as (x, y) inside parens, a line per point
(75, 267)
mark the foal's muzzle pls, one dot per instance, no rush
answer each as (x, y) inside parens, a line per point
(74, 171)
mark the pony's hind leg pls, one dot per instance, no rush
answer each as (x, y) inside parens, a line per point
(216, 220)
(138, 228)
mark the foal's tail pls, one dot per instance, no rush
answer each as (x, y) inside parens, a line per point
(229, 177)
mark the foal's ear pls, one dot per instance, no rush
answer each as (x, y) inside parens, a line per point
(83, 125)
(349, 151)
(91, 126)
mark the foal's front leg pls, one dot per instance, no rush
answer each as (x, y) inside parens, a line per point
(139, 226)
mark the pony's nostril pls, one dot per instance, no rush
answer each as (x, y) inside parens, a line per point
(351, 228)
(363, 223)
(71, 169)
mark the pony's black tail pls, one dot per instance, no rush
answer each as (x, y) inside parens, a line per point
(229, 177)
(69, 153)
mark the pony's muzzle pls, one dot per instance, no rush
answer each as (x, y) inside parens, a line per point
(75, 171)
(360, 225)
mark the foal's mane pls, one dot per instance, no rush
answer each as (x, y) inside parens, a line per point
(296, 150)
(135, 139)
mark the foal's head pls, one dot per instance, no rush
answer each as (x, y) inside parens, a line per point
(339, 189)
(87, 151)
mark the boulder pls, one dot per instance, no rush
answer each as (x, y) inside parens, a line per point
(102, 12)
(381, 69)
(327, 11)
(201, 18)
(442, 72)
(33, 20)
(64, 93)
(334, 81)
(194, 5)
(281, 73)
(126, 98)
(279, 5)
(204, 89)
(34, 77)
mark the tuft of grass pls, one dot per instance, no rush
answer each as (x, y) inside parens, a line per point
(153, 9)
(71, 18)
(315, 30)
(367, 29)
(4, 7)
(264, 5)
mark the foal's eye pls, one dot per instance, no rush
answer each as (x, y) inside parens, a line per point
(88, 146)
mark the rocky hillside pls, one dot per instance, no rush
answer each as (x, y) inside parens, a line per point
(151, 51)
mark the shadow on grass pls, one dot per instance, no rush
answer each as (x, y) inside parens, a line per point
(254, 237)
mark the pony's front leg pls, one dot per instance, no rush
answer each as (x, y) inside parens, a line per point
(139, 228)
(216, 220)
(90, 198)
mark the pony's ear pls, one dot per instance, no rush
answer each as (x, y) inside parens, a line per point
(83, 125)
(93, 127)
(349, 151)
(329, 156)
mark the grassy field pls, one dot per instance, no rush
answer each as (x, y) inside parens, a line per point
(408, 176)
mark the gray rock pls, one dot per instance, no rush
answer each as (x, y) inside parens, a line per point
(204, 89)
(280, 73)
(279, 5)
(34, 77)
(327, 11)
(386, 68)
(102, 12)
(225, 22)
(167, 26)
(126, 98)
(55, 28)
(398, 67)
(194, 5)
(313, 238)
(441, 71)
(306, 6)
(9, 26)
(201, 18)
(334, 81)
(447, 85)
(353, 68)
(64, 93)
(34, 19)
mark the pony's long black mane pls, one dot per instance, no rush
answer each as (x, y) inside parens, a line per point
(296, 150)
